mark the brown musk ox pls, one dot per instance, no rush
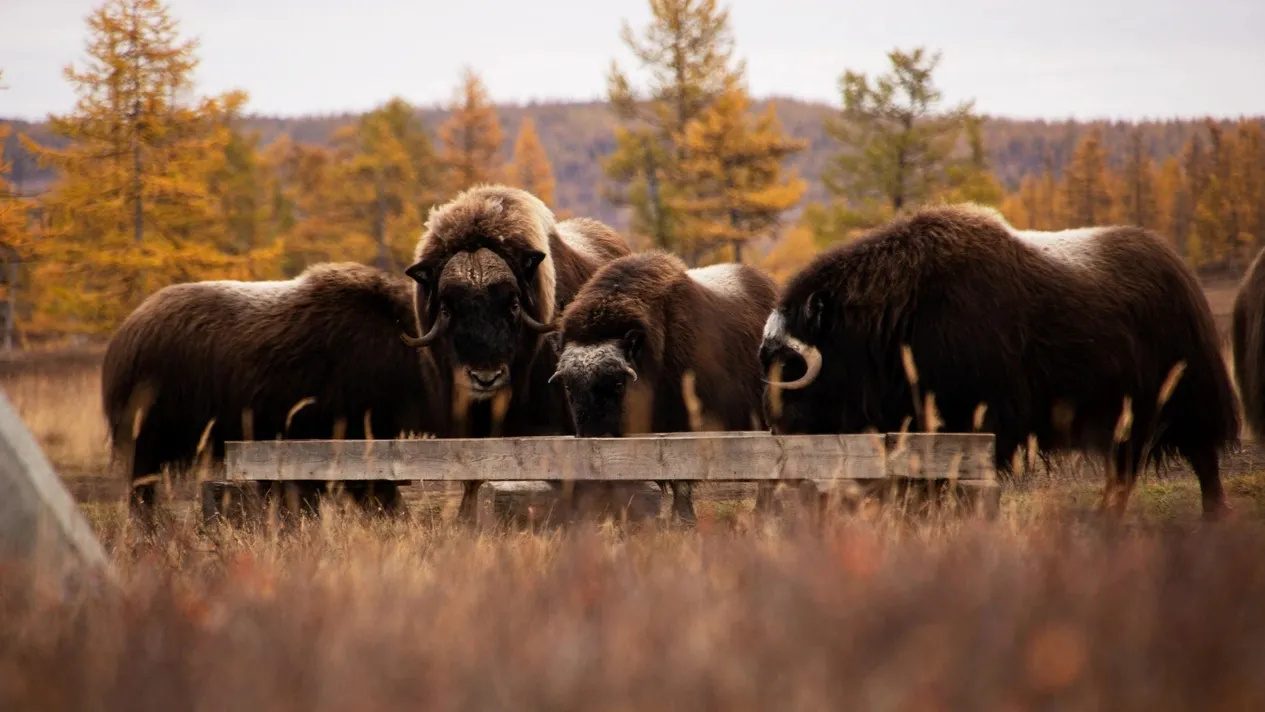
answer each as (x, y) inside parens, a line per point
(1056, 335)
(1247, 343)
(314, 357)
(492, 270)
(643, 322)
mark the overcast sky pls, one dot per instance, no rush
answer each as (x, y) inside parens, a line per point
(1074, 58)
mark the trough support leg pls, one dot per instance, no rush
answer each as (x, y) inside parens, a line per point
(378, 498)
(765, 500)
(468, 511)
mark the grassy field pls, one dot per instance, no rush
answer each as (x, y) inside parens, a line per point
(1042, 609)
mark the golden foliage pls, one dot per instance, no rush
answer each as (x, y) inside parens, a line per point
(530, 169)
(790, 254)
(732, 186)
(133, 210)
(471, 137)
(1086, 185)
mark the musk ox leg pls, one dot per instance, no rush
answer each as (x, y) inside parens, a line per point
(1122, 474)
(683, 502)
(1208, 470)
(378, 497)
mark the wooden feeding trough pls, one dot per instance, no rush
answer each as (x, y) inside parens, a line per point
(518, 471)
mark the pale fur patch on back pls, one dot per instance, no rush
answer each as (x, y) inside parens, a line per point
(576, 240)
(1076, 247)
(254, 293)
(723, 279)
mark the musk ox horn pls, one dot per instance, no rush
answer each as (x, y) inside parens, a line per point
(631, 372)
(429, 337)
(554, 376)
(536, 326)
(812, 360)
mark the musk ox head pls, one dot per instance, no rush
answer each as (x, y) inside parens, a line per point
(799, 400)
(597, 377)
(485, 283)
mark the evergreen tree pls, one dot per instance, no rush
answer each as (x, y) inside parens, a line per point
(899, 142)
(733, 190)
(132, 211)
(687, 51)
(972, 180)
(530, 169)
(471, 137)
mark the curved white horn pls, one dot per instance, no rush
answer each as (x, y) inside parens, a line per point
(812, 361)
(631, 372)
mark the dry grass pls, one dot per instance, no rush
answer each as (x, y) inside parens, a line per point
(61, 405)
(864, 615)
(1042, 609)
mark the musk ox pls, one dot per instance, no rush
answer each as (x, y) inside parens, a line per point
(644, 321)
(1248, 347)
(1054, 334)
(314, 357)
(492, 270)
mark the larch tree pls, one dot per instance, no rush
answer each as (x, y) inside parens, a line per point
(1168, 189)
(132, 211)
(471, 137)
(529, 169)
(899, 143)
(687, 51)
(1249, 186)
(1137, 200)
(733, 188)
(16, 245)
(1086, 193)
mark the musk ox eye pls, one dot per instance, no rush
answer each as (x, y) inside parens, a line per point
(514, 306)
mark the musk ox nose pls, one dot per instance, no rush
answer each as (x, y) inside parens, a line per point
(485, 379)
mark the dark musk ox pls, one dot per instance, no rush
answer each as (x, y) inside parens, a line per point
(1052, 332)
(492, 270)
(1247, 340)
(314, 357)
(644, 321)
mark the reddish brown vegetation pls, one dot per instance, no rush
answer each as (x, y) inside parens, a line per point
(1058, 617)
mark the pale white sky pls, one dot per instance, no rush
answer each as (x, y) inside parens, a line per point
(1077, 58)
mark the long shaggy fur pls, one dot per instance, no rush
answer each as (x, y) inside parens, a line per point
(239, 356)
(705, 321)
(474, 251)
(1248, 345)
(1050, 332)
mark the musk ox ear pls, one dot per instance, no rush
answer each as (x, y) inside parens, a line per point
(531, 262)
(421, 273)
(632, 342)
(815, 311)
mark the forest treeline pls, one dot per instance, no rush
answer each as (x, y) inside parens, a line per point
(576, 135)
(145, 183)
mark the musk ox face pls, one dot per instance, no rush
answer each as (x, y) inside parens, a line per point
(803, 398)
(475, 301)
(596, 377)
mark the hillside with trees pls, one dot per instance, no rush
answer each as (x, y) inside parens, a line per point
(144, 183)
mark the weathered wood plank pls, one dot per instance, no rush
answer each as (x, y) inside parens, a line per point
(730, 456)
(965, 456)
(734, 456)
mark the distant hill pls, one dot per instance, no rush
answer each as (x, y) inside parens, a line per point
(577, 134)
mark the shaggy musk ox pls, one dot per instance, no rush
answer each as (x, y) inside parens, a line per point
(639, 325)
(492, 270)
(1051, 332)
(244, 354)
(1247, 330)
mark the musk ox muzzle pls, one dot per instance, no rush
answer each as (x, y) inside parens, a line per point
(777, 342)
